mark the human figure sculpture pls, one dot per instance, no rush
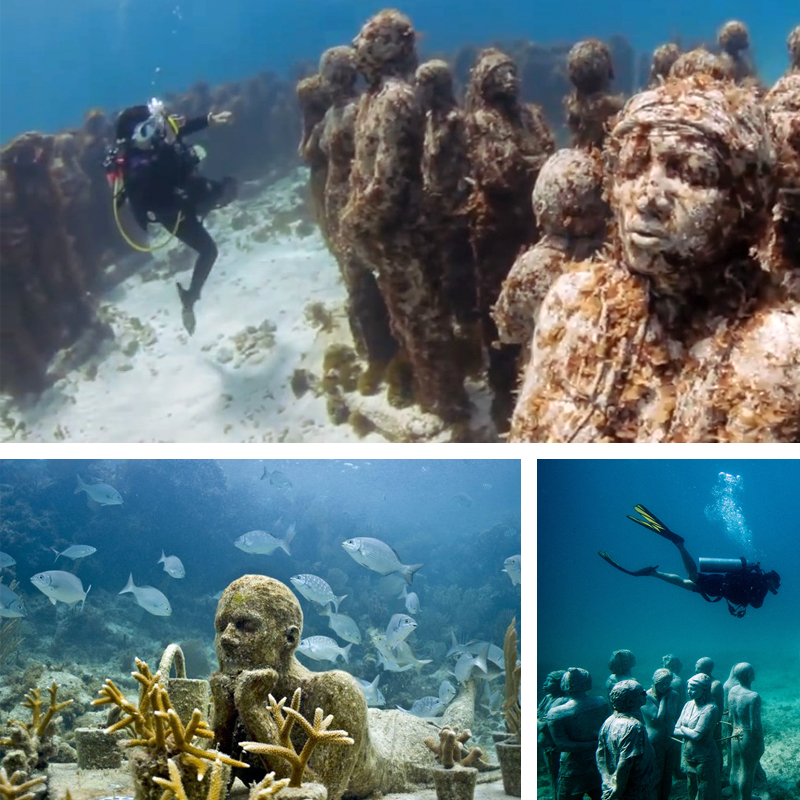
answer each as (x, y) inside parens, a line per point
(574, 726)
(680, 335)
(664, 56)
(314, 101)
(382, 218)
(705, 666)
(621, 663)
(734, 40)
(509, 141)
(793, 45)
(678, 685)
(625, 756)
(747, 735)
(553, 695)
(700, 61)
(695, 727)
(334, 137)
(660, 714)
(591, 105)
(572, 217)
(258, 626)
(446, 176)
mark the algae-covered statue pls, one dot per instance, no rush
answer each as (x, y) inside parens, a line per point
(258, 627)
(681, 334)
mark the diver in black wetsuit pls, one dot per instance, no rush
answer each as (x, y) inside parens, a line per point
(161, 182)
(739, 582)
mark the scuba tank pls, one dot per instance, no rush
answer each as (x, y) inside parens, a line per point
(723, 565)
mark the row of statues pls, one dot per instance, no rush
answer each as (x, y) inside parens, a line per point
(635, 747)
(639, 285)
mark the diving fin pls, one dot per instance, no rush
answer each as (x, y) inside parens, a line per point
(636, 573)
(187, 310)
(652, 522)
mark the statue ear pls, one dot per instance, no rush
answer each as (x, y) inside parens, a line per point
(292, 634)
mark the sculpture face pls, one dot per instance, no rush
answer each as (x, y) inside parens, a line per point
(503, 82)
(669, 201)
(698, 693)
(664, 685)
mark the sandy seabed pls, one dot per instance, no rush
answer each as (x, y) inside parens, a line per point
(232, 380)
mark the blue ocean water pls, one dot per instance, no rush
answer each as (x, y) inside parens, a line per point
(722, 508)
(460, 519)
(58, 60)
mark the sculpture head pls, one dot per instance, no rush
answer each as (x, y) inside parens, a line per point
(386, 47)
(689, 180)
(700, 61)
(704, 665)
(627, 697)
(744, 673)
(698, 687)
(589, 66)
(494, 77)
(733, 37)
(621, 661)
(338, 70)
(664, 56)
(793, 43)
(552, 683)
(672, 663)
(568, 196)
(434, 82)
(257, 625)
(662, 681)
(576, 681)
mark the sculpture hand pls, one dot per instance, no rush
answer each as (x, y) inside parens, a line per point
(253, 686)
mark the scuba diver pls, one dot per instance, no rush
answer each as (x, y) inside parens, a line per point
(738, 581)
(156, 171)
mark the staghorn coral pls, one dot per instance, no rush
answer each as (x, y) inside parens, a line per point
(267, 787)
(511, 708)
(174, 789)
(16, 787)
(162, 739)
(31, 743)
(317, 733)
(451, 748)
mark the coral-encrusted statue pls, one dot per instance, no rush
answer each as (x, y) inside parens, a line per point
(793, 45)
(572, 216)
(366, 309)
(509, 142)
(664, 56)
(680, 335)
(446, 184)
(382, 218)
(734, 40)
(700, 61)
(591, 105)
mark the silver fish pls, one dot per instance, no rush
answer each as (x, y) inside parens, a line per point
(6, 560)
(455, 647)
(467, 663)
(100, 493)
(316, 589)
(11, 604)
(60, 585)
(323, 648)
(495, 654)
(403, 655)
(371, 691)
(379, 557)
(173, 566)
(446, 692)
(512, 566)
(412, 600)
(345, 627)
(425, 707)
(149, 598)
(386, 657)
(400, 627)
(75, 551)
(276, 478)
(390, 665)
(264, 543)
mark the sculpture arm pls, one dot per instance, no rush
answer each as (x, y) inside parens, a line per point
(705, 726)
(562, 740)
(620, 778)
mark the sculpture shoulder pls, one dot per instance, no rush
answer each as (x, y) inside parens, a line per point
(398, 96)
(335, 687)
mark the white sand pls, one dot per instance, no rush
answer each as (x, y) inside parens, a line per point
(230, 382)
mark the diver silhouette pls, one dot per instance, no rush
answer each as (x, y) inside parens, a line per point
(739, 582)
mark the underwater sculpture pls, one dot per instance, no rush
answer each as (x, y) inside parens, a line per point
(678, 685)
(747, 735)
(335, 135)
(553, 695)
(621, 663)
(446, 176)
(703, 62)
(660, 714)
(509, 141)
(681, 334)
(381, 219)
(734, 41)
(258, 628)
(591, 105)
(793, 46)
(664, 56)
(572, 217)
(30, 744)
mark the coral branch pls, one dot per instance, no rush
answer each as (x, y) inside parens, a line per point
(14, 788)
